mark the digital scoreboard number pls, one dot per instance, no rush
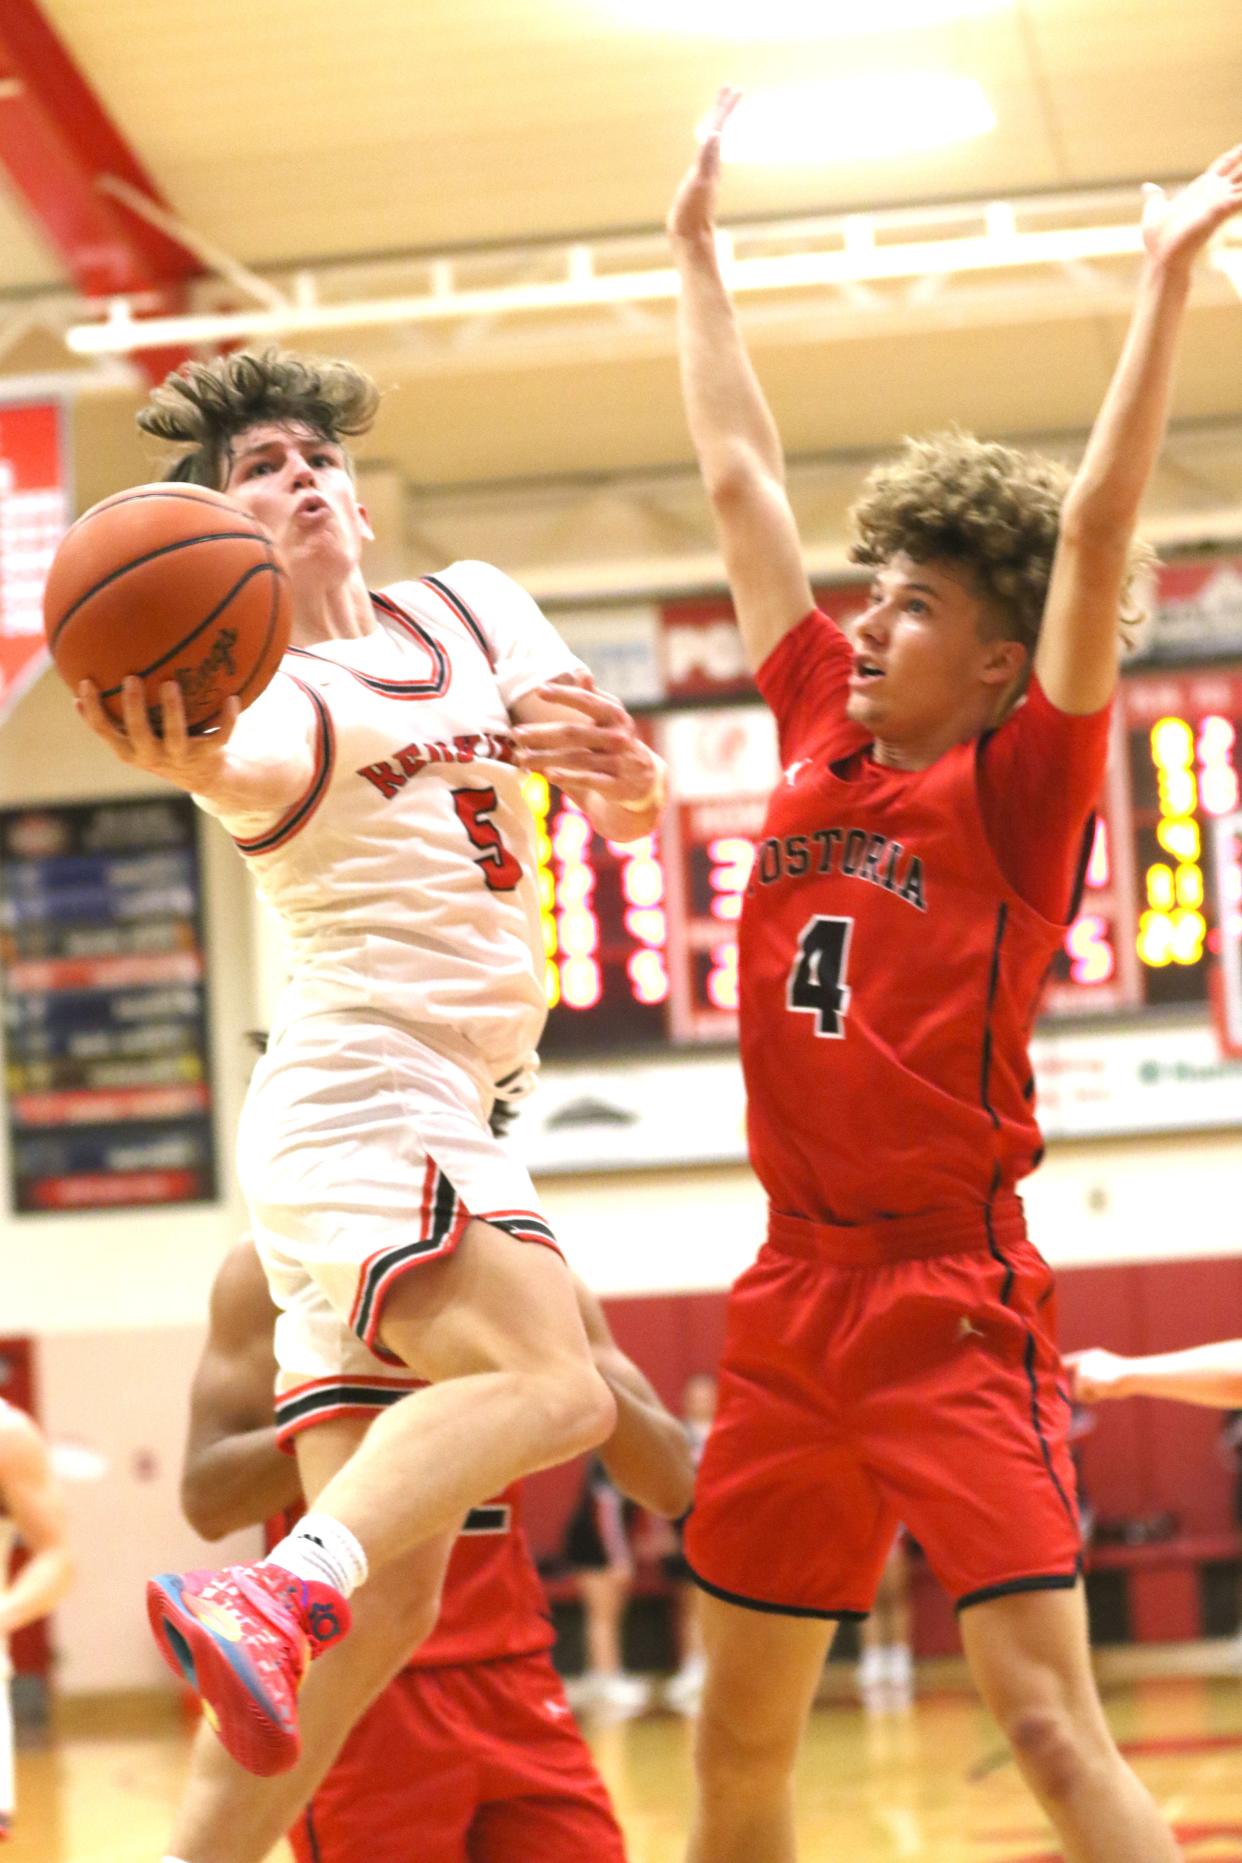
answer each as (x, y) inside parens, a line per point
(1147, 931)
(1183, 766)
(605, 931)
(641, 940)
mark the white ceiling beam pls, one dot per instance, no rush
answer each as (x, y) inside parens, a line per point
(991, 261)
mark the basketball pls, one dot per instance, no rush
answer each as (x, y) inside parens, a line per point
(168, 581)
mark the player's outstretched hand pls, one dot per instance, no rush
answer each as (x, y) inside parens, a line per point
(1096, 1374)
(693, 212)
(165, 749)
(1176, 227)
(596, 747)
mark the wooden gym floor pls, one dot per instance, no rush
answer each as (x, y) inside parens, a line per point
(932, 1782)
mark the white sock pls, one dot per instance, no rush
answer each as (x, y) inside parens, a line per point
(323, 1551)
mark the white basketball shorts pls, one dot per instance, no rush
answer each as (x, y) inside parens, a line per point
(363, 1154)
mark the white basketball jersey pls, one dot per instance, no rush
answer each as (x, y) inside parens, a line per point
(405, 875)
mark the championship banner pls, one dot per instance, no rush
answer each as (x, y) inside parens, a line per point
(34, 512)
(1197, 612)
(107, 1072)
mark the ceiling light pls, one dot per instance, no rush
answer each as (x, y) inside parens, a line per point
(798, 19)
(856, 119)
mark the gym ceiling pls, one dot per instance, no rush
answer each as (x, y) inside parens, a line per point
(302, 152)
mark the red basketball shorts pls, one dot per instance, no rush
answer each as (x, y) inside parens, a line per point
(476, 1763)
(904, 1371)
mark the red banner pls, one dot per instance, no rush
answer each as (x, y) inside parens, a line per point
(702, 651)
(33, 517)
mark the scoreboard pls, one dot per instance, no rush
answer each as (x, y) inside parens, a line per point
(1148, 930)
(641, 939)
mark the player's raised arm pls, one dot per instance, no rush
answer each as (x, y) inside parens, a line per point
(1076, 661)
(735, 437)
(648, 1454)
(233, 1474)
(1206, 1374)
(262, 768)
(31, 1496)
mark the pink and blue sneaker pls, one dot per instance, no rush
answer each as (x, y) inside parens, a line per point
(242, 1638)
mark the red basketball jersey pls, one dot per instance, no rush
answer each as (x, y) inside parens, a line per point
(493, 1604)
(889, 971)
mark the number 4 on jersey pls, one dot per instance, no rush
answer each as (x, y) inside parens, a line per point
(817, 981)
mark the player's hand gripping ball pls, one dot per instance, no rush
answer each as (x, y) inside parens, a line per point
(168, 581)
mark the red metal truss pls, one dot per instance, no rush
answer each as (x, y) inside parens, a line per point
(57, 141)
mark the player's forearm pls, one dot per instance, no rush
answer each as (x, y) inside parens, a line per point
(731, 425)
(1120, 456)
(610, 1522)
(1076, 659)
(647, 1455)
(255, 784)
(1208, 1374)
(37, 1589)
(237, 1482)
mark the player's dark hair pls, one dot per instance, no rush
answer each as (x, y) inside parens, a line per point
(986, 509)
(204, 406)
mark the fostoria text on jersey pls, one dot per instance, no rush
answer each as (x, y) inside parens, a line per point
(855, 853)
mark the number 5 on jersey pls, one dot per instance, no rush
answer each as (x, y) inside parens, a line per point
(817, 985)
(497, 865)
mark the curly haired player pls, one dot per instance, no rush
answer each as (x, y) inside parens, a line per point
(890, 1356)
